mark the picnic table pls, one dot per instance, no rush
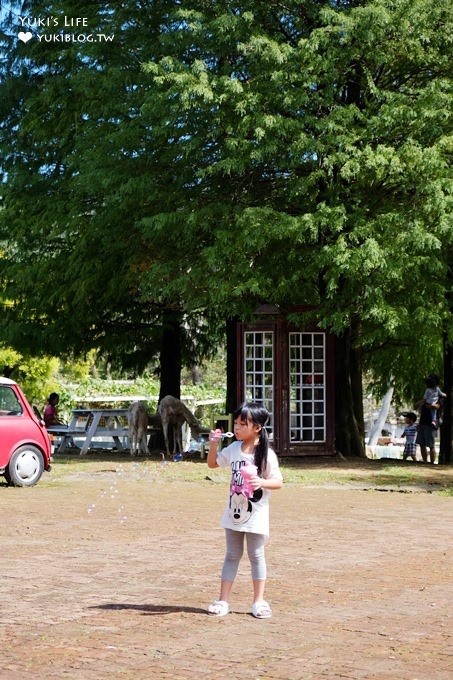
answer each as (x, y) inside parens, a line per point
(91, 423)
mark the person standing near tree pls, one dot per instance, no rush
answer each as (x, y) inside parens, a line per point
(433, 397)
(426, 435)
(410, 434)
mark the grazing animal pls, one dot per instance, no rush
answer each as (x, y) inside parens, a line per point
(138, 428)
(173, 412)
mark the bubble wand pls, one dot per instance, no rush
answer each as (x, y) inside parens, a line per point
(217, 435)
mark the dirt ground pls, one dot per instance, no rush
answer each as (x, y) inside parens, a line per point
(107, 573)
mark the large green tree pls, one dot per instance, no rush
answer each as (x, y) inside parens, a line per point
(80, 165)
(238, 152)
(320, 137)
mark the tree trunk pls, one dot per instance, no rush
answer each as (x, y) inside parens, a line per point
(195, 373)
(231, 365)
(446, 430)
(349, 426)
(170, 356)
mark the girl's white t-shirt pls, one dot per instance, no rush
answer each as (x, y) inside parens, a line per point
(242, 513)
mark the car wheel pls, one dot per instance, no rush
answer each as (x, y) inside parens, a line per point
(25, 467)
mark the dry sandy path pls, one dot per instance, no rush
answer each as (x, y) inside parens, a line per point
(108, 575)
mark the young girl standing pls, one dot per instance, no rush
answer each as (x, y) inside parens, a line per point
(246, 516)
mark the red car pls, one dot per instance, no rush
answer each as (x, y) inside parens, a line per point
(25, 447)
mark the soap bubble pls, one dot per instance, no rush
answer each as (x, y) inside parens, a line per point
(113, 493)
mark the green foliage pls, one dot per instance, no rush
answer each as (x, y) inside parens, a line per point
(325, 157)
(79, 164)
(298, 154)
(9, 360)
(37, 376)
(80, 370)
(75, 383)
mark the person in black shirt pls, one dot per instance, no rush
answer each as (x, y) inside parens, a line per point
(426, 434)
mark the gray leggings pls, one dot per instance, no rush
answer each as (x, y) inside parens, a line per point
(234, 550)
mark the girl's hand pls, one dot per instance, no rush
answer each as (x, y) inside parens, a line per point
(255, 482)
(215, 435)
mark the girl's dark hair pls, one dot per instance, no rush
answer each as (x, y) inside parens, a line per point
(259, 416)
(52, 395)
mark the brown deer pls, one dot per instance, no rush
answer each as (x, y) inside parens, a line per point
(173, 412)
(138, 419)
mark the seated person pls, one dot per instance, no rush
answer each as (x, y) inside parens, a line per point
(51, 415)
(50, 412)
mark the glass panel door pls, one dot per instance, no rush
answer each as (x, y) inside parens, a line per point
(259, 368)
(307, 375)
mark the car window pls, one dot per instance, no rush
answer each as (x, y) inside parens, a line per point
(9, 403)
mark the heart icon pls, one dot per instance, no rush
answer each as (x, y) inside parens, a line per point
(25, 37)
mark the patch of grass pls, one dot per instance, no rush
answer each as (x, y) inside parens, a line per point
(447, 491)
(368, 472)
(308, 477)
(388, 477)
(303, 472)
